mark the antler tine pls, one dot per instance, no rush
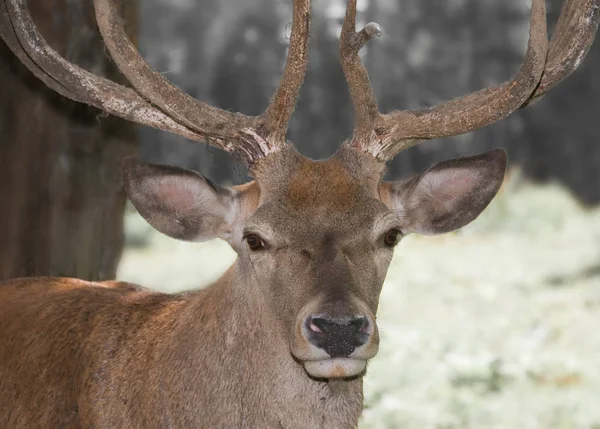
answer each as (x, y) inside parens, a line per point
(10, 38)
(276, 117)
(398, 130)
(363, 98)
(207, 120)
(253, 137)
(570, 42)
(21, 35)
(154, 101)
(543, 68)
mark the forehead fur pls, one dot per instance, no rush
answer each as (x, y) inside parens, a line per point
(348, 175)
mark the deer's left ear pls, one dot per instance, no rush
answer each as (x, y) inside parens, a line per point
(448, 195)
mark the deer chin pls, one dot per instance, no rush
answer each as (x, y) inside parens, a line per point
(335, 368)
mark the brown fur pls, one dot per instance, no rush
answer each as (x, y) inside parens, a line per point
(123, 357)
(76, 354)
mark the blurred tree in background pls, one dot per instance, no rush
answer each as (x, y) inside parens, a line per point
(62, 202)
(231, 54)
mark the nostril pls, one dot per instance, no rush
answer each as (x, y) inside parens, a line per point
(314, 327)
(360, 324)
(320, 325)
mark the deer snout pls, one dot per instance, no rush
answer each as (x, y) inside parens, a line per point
(338, 337)
(335, 345)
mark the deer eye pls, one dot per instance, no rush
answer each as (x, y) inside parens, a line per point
(254, 242)
(392, 237)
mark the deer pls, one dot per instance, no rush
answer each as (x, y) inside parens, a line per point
(283, 338)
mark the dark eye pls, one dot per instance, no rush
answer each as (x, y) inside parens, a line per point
(392, 237)
(254, 242)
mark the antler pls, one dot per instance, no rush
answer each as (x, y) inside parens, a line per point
(384, 135)
(154, 101)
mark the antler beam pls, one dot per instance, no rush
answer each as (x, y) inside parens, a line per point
(22, 37)
(384, 135)
(154, 101)
(208, 121)
(570, 43)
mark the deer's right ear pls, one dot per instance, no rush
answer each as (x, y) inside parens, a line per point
(181, 203)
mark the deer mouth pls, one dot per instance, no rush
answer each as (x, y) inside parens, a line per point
(335, 367)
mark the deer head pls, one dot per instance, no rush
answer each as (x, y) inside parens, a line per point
(314, 238)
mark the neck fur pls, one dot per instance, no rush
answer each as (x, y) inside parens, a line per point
(253, 371)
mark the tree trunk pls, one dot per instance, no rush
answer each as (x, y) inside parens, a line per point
(61, 198)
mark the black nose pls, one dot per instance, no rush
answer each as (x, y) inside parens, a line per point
(338, 337)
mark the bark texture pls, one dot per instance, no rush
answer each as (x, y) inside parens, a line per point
(61, 197)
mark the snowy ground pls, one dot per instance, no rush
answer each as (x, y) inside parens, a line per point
(497, 326)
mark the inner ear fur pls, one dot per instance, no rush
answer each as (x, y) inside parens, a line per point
(448, 195)
(181, 203)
